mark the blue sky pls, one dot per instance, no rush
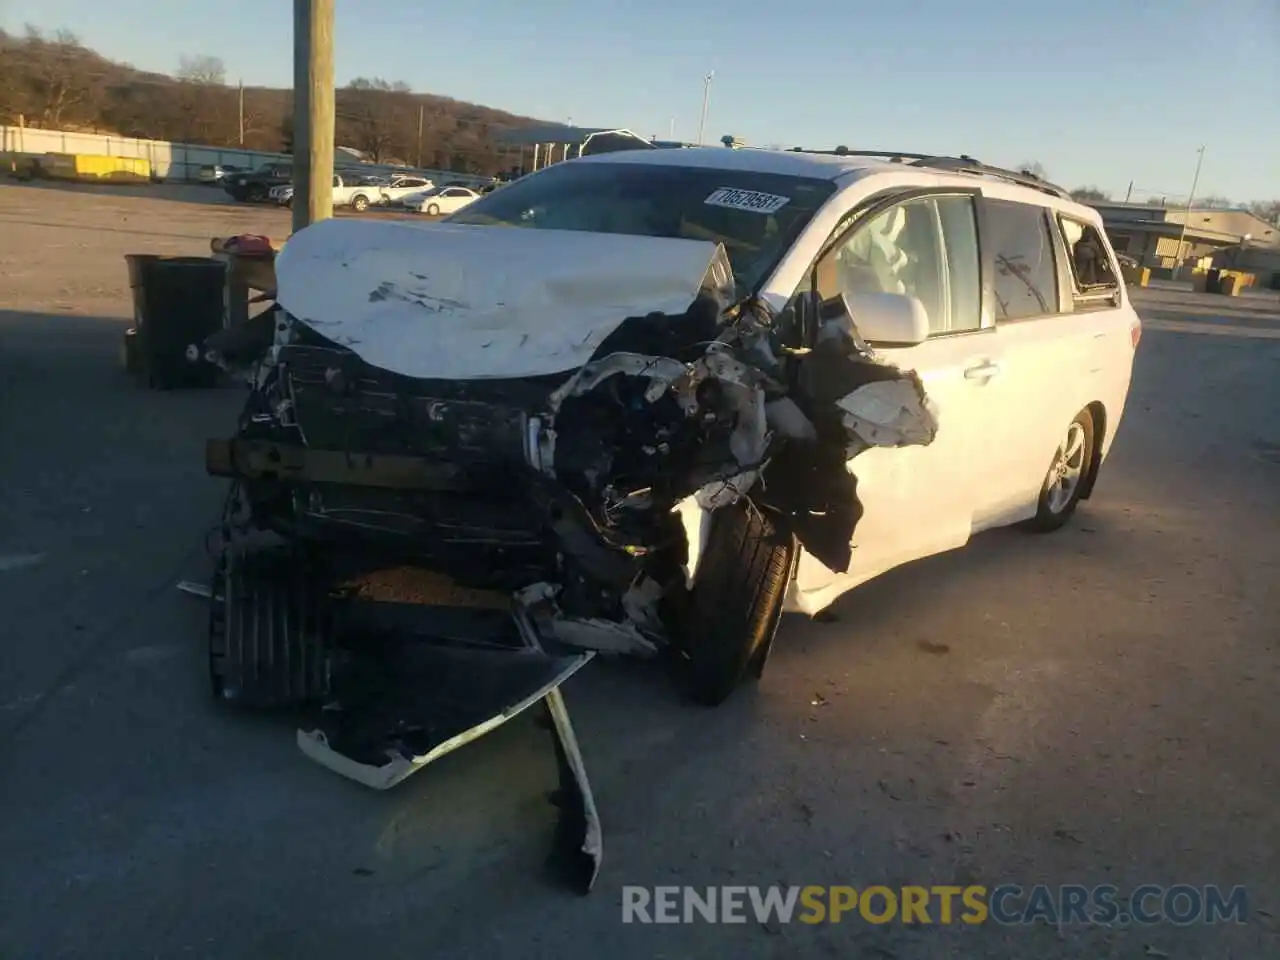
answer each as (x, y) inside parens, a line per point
(1099, 91)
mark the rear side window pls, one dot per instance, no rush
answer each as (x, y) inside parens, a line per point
(1093, 272)
(1025, 281)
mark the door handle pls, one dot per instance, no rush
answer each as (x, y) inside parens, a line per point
(983, 371)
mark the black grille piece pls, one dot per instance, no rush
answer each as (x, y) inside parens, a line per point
(269, 629)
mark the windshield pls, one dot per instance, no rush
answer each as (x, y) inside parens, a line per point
(755, 215)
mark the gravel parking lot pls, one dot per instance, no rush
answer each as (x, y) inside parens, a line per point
(1096, 706)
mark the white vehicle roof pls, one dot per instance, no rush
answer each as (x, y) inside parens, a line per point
(846, 168)
(821, 166)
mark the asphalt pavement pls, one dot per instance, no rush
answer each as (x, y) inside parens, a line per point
(1098, 705)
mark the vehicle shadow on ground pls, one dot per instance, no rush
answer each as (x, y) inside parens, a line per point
(210, 195)
(64, 377)
(25, 222)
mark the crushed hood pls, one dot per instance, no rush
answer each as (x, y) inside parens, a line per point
(463, 302)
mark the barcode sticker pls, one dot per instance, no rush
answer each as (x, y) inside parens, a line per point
(747, 200)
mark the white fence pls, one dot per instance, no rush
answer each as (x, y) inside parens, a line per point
(169, 161)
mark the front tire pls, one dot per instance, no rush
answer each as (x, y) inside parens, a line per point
(734, 608)
(360, 204)
(1065, 481)
(433, 210)
(257, 193)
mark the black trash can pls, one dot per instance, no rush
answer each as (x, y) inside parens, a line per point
(177, 302)
(1213, 281)
(1275, 280)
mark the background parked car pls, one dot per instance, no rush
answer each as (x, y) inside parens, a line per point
(215, 173)
(441, 200)
(255, 185)
(397, 188)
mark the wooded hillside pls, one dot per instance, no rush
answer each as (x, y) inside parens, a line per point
(55, 82)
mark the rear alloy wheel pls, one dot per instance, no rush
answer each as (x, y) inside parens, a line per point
(433, 210)
(360, 204)
(1060, 494)
(735, 606)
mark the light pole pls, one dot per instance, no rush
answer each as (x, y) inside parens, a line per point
(706, 99)
(1186, 214)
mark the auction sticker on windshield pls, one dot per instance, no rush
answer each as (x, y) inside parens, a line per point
(747, 200)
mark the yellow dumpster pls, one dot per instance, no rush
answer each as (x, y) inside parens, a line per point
(91, 167)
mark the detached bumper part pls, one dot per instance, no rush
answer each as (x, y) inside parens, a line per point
(393, 686)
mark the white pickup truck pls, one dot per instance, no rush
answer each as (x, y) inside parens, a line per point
(356, 192)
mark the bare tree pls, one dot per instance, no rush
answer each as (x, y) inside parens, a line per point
(203, 70)
(1035, 168)
(58, 79)
(1212, 202)
(1089, 195)
(203, 101)
(13, 94)
(1268, 210)
(374, 116)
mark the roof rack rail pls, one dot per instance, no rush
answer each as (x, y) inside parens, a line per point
(960, 164)
(890, 155)
(963, 164)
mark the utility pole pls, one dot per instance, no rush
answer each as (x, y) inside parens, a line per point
(1128, 193)
(313, 111)
(240, 85)
(420, 134)
(1186, 214)
(706, 99)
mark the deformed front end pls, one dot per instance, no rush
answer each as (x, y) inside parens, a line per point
(538, 413)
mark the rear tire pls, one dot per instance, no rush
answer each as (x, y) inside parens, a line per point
(1068, 473)
(433, 210)
(257, 193)
(360, 203)
(734, 608)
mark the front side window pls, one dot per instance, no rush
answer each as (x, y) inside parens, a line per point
(926, 248)
(1025, 280)
(756, 216)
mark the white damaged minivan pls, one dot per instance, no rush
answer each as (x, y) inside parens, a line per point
(654, 398)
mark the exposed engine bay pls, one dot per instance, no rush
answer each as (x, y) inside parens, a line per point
(555, 432)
